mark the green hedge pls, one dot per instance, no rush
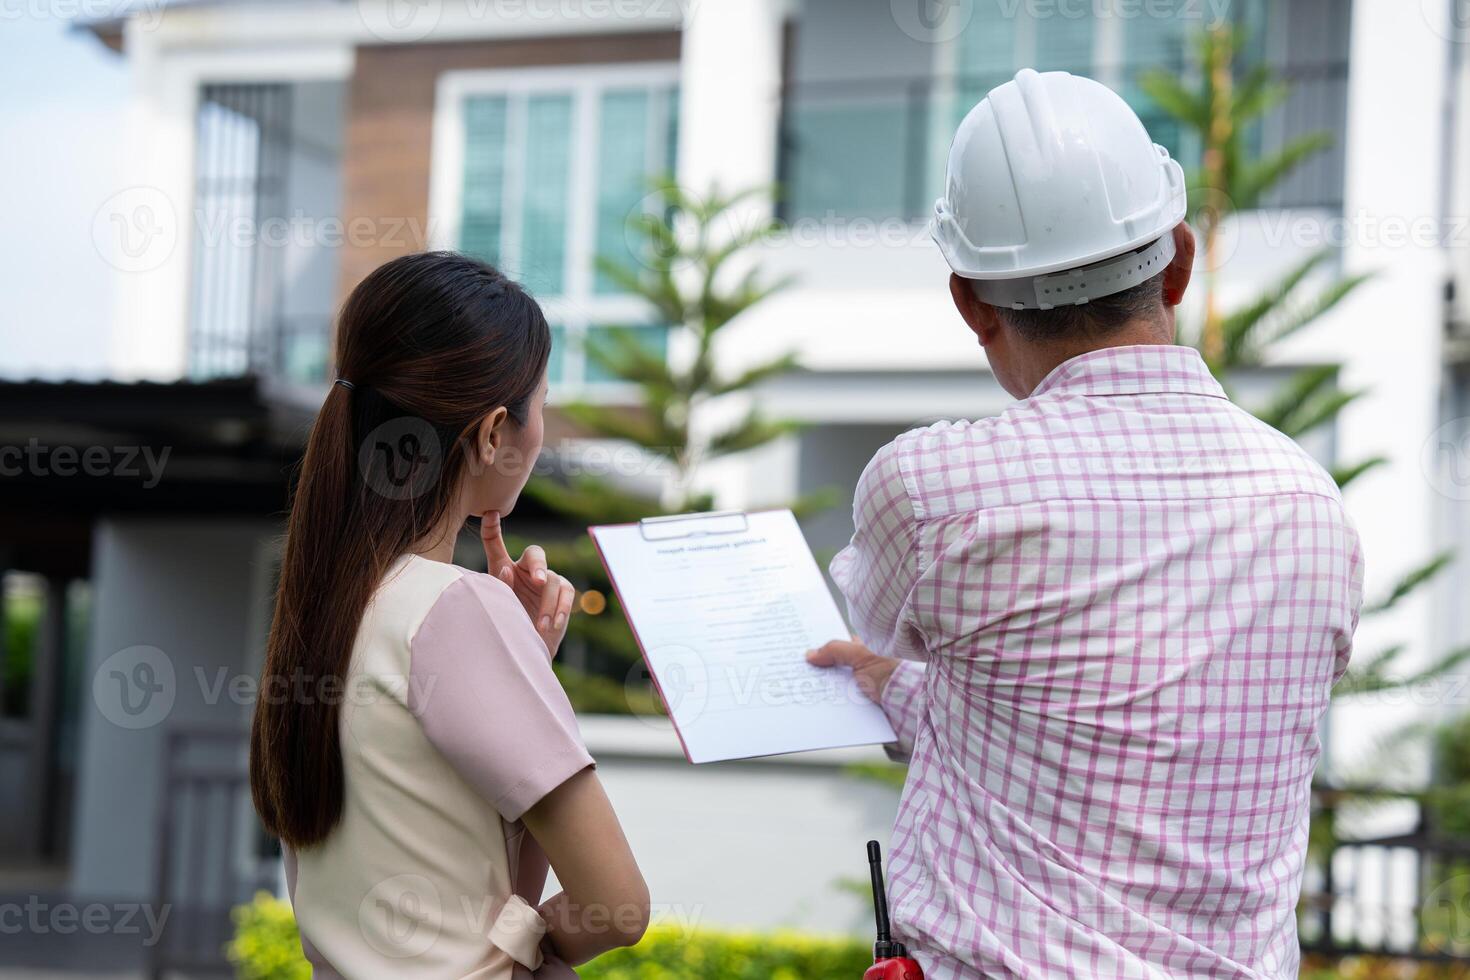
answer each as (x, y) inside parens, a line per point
(675, 954)
(266, 947)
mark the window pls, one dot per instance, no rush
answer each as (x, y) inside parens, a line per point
(876, 146)
(539, 170)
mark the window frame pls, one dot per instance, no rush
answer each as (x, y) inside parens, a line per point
(580, 306)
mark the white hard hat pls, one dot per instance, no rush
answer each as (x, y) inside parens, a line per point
(1053, 190)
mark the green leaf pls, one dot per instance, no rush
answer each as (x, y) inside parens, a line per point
(1238, 328)
(1255, 95)
(622, 353)
(784, 364)
(1301, 314)
(642, 428)
(589, 500)
(1252, 180)
(1167, 91)
(1318, 411)
(1372, 682)
(1346, 474)
(1301, 386)
(750, 432)
(1411, 581)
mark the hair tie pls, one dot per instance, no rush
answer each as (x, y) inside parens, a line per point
(344, 383)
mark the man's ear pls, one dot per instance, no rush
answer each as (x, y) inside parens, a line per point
(488, 435)
(1181, 267)
(978, 315)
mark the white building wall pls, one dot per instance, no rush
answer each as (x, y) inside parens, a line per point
(177, 607)
(1389, 336)
(763, 844)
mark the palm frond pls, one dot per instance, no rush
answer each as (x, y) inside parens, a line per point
(1409, 582)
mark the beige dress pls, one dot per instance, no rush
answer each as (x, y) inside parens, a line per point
(453, 726)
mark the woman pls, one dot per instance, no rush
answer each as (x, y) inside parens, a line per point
(411, 746)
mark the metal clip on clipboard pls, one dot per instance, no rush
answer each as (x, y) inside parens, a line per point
(672, 526)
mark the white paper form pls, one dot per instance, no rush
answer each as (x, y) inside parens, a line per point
(725, 607)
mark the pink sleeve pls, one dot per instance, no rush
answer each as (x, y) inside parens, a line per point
(878, 570)
(482, 687)
(903, 702)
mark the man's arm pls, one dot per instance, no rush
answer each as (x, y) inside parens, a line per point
(876, 573)
(897, 686)
(878, 570)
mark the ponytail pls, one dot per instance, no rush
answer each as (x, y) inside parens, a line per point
(430, 344)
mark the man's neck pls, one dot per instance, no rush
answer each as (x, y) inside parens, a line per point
(1046, 357)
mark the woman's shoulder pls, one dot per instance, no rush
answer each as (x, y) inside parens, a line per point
(465, 606)
(473, 594)
(416, 586)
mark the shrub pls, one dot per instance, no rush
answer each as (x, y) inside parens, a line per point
(669, 953)
(266, 947)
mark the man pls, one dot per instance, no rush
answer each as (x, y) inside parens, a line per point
(1104, 623)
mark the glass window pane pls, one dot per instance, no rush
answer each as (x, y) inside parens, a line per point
(623, 174)
(481, 216)
(847, 158)
(671, 148)
(1161, 43)
(1064, 40)
(556, 364)
(542, 260)
(654, 339)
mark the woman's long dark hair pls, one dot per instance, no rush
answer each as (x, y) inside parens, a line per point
(431, 344)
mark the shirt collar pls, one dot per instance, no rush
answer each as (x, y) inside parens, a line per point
(1137, 370)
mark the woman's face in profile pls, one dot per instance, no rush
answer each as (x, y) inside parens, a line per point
(498, 485)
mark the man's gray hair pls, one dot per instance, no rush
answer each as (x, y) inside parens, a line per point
(1093, 320)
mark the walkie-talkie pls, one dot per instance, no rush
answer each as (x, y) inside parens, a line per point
(890, 959)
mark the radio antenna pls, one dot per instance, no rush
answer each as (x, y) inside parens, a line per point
(885, 947)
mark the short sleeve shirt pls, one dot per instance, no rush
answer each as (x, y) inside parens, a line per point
(453, 726)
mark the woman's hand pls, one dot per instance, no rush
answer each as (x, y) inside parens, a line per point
(546, 596)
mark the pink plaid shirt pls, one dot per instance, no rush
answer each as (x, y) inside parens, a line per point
(1130, 599)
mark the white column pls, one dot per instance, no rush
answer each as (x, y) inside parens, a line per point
(729, 116)
(1389, 334)
(145, 230)
(730, 94)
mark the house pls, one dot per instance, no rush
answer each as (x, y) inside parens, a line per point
(283, 150)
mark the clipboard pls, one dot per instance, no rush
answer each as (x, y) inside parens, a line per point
(723, 606)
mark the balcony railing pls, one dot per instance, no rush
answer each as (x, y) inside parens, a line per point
(1401, 895)
(876, 148)
(262, 264)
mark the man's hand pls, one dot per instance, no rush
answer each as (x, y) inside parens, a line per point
(546, 596)
(872, 671)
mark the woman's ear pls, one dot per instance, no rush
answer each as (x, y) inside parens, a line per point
(488, 435)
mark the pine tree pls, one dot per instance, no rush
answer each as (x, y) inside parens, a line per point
(693, 268)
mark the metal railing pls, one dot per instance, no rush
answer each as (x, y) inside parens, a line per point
(1404, 896)
(210, 851)
(876, 148)
(239, 323)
